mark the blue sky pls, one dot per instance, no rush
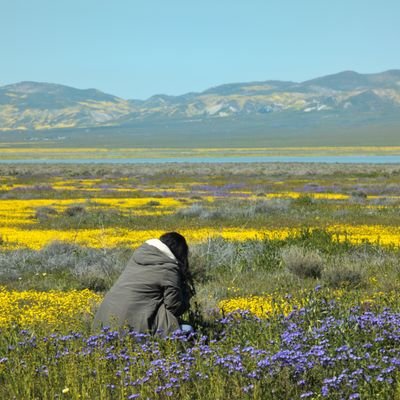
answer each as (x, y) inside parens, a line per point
(135, 49)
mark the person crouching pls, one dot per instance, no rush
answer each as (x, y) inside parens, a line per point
(153, 290)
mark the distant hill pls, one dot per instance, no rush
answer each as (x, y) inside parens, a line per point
(39, 106)
(267, 110)
(339, 93)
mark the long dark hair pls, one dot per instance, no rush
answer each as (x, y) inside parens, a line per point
(177, 244)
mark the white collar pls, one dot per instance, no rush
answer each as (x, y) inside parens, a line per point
(162, 247)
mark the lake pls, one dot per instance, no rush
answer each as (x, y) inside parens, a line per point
(364, 159)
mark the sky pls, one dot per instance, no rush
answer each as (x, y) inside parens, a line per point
(135, 49)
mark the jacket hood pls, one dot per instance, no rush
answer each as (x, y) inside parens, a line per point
(161, 246)
(148, 254)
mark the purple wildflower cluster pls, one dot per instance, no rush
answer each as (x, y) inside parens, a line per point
(230, 189)
(316, 188)
(339, 354)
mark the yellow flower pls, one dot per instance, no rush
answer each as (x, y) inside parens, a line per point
(373, 280)
(54, 308)
(261, 306)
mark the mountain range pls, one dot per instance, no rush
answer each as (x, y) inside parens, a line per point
(333, 104)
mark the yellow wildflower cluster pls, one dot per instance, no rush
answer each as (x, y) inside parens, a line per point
(112, 237)
(278, 303)
(384, 235)
(17, 222)
(54, 308)
(262, 306)
(15, 213)
(296, 195)
(15, 237)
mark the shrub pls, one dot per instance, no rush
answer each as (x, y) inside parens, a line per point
(343, 276)
(271, 206)
(74, 210)
(302, 262)
(358, 196)
(81, 260)
(234, 258)
(153, 203)
(194, 210)
(42, 213)
(210, 214)
(321, 239)
(209, 256)
(94, 277)
(199, 211)
(303, 201)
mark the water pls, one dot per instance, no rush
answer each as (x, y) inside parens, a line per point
(365, 159)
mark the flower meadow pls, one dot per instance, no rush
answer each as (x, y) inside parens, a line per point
(326, 349)
(30, 224)
(296, 268)
(109, 207)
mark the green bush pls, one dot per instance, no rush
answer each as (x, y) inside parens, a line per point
(153, 203)
(43, 213)
(303, 200)
(75, 210)
(346, 275)
(304, 263)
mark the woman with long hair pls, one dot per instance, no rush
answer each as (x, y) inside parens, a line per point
(153, 291)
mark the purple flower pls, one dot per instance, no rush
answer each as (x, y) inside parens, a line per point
(306, 394)
(325, 391)
(248, 388)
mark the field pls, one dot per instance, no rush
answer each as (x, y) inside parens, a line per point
(296, 268)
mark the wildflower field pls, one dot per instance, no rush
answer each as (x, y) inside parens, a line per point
(296, 267)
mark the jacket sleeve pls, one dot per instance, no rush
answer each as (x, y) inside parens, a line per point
(175, 298)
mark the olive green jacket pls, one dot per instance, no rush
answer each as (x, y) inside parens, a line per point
(148, 297)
